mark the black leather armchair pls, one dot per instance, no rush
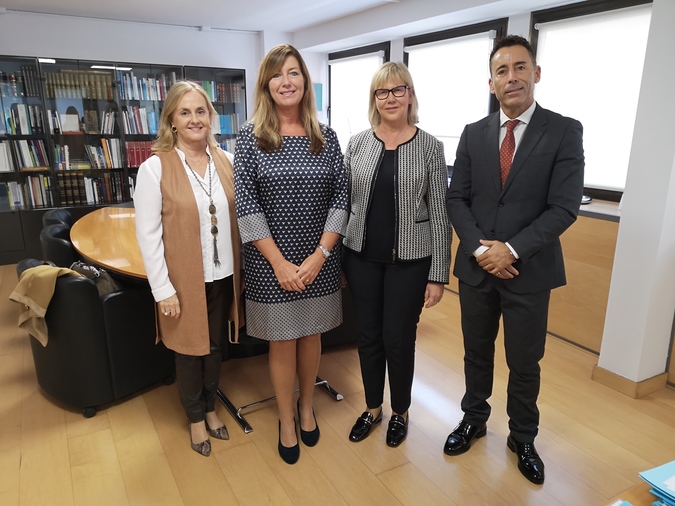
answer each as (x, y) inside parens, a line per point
(99, 349)
(56, 245)
(56, 216)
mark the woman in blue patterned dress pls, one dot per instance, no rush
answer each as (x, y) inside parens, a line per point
(291, 199)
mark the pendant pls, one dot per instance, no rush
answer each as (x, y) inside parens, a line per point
(212, 209)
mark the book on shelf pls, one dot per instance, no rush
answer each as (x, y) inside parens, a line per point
(14, 194)
(6, 162)
(91, 122)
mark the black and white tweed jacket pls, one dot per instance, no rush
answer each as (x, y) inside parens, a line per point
(422, 221)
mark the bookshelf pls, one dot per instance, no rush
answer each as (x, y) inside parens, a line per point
(74, 132)
(142, 90)
(25, 170)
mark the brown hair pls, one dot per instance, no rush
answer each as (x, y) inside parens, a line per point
(265, 120)
(166, 138)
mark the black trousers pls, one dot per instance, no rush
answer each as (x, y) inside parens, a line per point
(388, 299)
(525, 319)
(197, 377)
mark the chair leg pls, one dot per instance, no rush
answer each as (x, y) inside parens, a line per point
(246, 427)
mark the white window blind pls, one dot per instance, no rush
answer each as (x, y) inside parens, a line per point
(451, 82)
(349, 93)
(591, 70)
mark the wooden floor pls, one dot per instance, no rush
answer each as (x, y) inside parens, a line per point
(593, 440)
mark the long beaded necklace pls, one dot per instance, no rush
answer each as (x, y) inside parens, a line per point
(212, 207)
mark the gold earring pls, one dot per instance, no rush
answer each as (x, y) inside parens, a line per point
(173, 128)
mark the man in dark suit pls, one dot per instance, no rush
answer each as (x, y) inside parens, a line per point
(509, 212)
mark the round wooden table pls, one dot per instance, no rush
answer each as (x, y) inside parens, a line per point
(107, 237)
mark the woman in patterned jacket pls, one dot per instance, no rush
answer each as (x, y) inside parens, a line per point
(291, 198)
(397, 246)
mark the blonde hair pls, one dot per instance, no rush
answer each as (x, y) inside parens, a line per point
(395, 72)
(265, 120)
(166, 138)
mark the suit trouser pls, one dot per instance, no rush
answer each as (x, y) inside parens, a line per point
(197, 376)
(525, 319)
(388, 300)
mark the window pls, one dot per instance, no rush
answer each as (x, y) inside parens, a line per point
(350, 75)
(450, 70)
(592, 70)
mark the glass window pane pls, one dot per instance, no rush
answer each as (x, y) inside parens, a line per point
(451, 82)
(593, 74)
(349, 89)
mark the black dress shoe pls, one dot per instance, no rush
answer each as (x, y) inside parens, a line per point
(363, 425)
(309, 438)
(290, 455)
(397, 431)
(530, 464)
(459, 441)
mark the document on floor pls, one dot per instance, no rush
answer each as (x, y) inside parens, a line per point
(662, 480)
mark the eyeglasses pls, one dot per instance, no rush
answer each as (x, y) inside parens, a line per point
(398, 92)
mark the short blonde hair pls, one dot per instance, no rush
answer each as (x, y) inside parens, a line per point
(166, 138)
(396, 72)
(265, 120)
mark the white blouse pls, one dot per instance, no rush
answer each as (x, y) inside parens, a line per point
(148, 204)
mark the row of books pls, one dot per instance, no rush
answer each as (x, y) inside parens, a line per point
(39, 190)
(22, 119)
(76, 188)
(35, 192)
(228, 144)
(105, 156)
(12, 196)
(6, 161)
(154, 87)
(79, 84)
(137, 152)
(23, 83)
(222, 92)
(137, 120)
(226, 124)
(31, 154)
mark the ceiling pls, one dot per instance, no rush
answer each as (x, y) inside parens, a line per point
(249, 15)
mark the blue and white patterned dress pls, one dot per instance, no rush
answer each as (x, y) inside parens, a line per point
(293, 197)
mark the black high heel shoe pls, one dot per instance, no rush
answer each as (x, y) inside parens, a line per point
(289, 455)
(203, 448)
(309, 438)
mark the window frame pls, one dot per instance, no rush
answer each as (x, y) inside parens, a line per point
(500, 26)
(572, 11)
(385, 47)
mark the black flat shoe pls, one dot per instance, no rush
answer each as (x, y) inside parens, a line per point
(397, 431)
(289, 455)
(363, 425)
(459, 441)
(203, 448)
(529, 462)
(309, 438)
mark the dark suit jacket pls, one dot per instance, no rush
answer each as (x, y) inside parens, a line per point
(539, 201)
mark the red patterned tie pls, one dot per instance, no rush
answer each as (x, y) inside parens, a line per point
(507, 149)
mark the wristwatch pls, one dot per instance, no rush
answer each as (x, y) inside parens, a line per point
(324, 251)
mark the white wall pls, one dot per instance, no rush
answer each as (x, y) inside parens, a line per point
(23, 34)
(641, 301)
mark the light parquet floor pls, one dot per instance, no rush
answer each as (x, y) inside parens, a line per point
(594, 440)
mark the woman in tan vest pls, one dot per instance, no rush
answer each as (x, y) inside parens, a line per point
(188, 235)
